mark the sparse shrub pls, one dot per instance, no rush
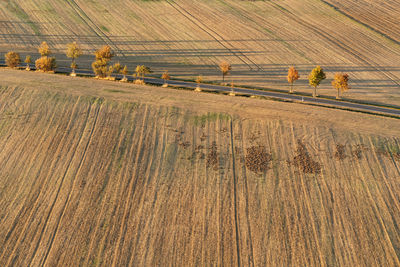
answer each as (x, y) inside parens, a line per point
(13, 59)
(293, 75)
(316, 76)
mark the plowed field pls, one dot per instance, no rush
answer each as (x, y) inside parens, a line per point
(96, 173)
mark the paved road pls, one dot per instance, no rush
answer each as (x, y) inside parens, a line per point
(277, 95)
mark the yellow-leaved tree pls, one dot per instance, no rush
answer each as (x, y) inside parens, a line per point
(13, 59)
(316, 76)
(103, 57)
(225, 68)
(45, 63)
(340, 83)
(73, 51)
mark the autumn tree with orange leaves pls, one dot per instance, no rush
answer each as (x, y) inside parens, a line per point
(341, 83)
(293, 75)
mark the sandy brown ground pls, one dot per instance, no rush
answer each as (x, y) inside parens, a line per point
(261, 39)
(99, 173)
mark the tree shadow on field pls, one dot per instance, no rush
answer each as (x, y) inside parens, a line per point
(161, 55)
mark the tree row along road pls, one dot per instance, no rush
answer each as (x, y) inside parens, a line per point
(277, 95)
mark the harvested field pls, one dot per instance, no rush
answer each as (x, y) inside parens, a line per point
(147, 176)
(261, 39)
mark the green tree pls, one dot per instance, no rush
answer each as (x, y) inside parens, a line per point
(13, 59)
(341, 83)
(293, 75)
(73, 51)
(316, 76)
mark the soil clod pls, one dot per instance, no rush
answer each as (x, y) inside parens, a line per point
(212, 157)
(304, 161)
(257, 159)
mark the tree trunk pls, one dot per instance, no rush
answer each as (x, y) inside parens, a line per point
(223, 77)
(315, 91)
(337, 94)
(291, 88)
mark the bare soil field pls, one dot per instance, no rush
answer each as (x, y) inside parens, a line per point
(261, 39)
(99, 173)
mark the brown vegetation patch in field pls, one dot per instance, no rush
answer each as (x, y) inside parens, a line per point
(340, 153)
(257, 159)
(357, 151)
(212, 156)
(304, 161)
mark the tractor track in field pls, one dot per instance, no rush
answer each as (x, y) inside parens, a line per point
(131, 187)
(72, 186)
(217, 37)
(341, 45)
(35, 205)
(374, 206)
(246, 188)
(119, 143)
(337, 9)
(92, 26)
(235, 204)
(59, 189)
